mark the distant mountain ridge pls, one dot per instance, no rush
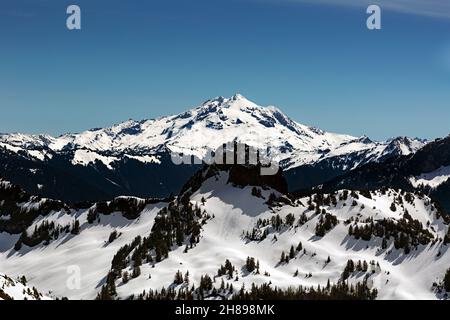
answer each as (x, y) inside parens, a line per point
(109, 161)
(427, 170)
(216, 121)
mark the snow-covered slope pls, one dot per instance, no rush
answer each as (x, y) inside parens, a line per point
(53, 251)
(235, 211)
(432, 179)
(206, 127)
(242, 223)
(51, 267)
(11, 289)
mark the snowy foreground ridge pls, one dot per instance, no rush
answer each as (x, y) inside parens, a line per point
(396, 241)
(11, 289)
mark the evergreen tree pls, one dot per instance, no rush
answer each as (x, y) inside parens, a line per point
(447, 281)
(75, 227)
(283, 257)
(125, 277)
(292, 253)
(18, 245)
(350, 230)
(393, 207)
(205, 283)
(250, 264)
(384, 243)
(365, 267)
(349, 268)
(112, 236)
(136, 272)
(178, 279)
(256, 192)
(290, 219)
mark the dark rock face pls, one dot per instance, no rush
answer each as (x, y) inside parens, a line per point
(251, 176)
(130, 207)
(238, 175)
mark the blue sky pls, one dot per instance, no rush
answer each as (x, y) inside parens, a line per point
(316, 60)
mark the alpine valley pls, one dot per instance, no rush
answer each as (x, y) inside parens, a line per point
(106, 214)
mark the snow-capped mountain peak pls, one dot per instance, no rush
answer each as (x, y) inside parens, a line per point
(208, 126)
(404, 145)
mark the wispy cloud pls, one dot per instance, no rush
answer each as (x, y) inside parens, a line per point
(431, 8)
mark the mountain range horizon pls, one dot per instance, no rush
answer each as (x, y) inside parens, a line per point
(112, 160)
(236, 96)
